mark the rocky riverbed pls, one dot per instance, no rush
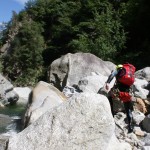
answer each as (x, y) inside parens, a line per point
(74, 112)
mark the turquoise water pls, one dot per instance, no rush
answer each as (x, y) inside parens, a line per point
(15, 112)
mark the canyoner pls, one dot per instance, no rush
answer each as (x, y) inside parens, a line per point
(124, 74)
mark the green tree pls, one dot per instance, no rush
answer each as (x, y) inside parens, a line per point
(51, 28)
(73, 26)
(101, 33)
(136, 22)
(24, 64)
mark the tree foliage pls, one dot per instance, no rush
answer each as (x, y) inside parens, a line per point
(109, 29)
(136, 21)
(101, 33)
(25, 60)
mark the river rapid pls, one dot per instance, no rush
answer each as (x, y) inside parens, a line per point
(10, 119)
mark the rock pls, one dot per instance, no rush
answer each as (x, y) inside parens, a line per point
(3, 142)
(7, 94)
(139, 132)
(146, 123)
(82, 122)
(42, 98)
(93, 83)
(23, 93)
(138, 88)
(68, 70)
(146, 139)
(133, 138)
(69, 91)
(148, 87)
(145, 148)
(138, 117)
(1, 105)
(140, 105)
(143, 73)
(147, 104)
(119, 120)
(12, 97)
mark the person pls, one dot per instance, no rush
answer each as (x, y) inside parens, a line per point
(121, 89)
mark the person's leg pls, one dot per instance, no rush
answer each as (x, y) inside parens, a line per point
(128, 108)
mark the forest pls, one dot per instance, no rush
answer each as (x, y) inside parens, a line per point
(113, 30)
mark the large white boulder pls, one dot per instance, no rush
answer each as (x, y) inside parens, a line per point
(70, 68)
(42, 98)
(83, 122)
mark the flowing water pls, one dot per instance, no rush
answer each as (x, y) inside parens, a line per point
(10, 119)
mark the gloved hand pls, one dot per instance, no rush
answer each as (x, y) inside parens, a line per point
(107, 86)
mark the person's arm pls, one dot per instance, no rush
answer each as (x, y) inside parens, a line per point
(110, 78)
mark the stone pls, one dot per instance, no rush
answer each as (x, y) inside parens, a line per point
(82, 122)
(143, 73)
(146, 123)
(68, 69)
(42, 98)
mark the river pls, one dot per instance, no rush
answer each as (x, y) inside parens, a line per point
(10, 119)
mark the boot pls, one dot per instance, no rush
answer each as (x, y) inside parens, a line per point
(130, 128)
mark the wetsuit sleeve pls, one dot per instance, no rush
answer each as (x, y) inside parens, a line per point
(111, 76)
